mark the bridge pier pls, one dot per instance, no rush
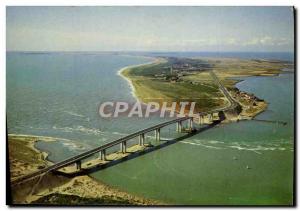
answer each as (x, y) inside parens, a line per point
(123, 147)
(210, 116)
(78, 165)
(141, 139)
(77, 161)
(102, 154)
(157, 134)
(191, 123)
(179, 126)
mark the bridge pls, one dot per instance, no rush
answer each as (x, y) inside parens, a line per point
(102, 149)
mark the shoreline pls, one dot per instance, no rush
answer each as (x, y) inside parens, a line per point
(244, 78)
(245, 114)
(89, 189)
(45, 138)
(132, 88)
(20, 146)
(38, 139)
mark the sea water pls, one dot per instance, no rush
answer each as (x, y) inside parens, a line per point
(248, 162)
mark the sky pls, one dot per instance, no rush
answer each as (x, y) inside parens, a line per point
(202, 29)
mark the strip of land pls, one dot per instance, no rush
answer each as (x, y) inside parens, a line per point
(189, 79)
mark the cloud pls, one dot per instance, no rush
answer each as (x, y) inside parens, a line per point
(267, 41)
(232, 41)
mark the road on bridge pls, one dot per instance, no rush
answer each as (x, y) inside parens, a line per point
(89, 153)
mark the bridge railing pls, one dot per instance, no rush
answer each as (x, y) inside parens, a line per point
(89, 153)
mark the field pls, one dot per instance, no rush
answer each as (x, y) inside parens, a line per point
(150, 88)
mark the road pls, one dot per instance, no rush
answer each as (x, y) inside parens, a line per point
(232, 102)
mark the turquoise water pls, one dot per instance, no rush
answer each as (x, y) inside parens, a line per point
(58, 95)
(248, 162)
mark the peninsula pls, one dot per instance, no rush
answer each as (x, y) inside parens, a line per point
(194, 80)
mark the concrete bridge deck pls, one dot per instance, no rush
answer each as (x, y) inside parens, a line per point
(102, 149)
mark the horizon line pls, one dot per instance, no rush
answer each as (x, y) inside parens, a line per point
(140, 51)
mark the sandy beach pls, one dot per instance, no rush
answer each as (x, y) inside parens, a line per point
(120, 73)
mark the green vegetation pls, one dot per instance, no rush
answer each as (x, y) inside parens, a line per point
(149, 69)
(183, 79)
(23, 157)
(64, 199)
(20, 150)
(226, 68)
(150, 86)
